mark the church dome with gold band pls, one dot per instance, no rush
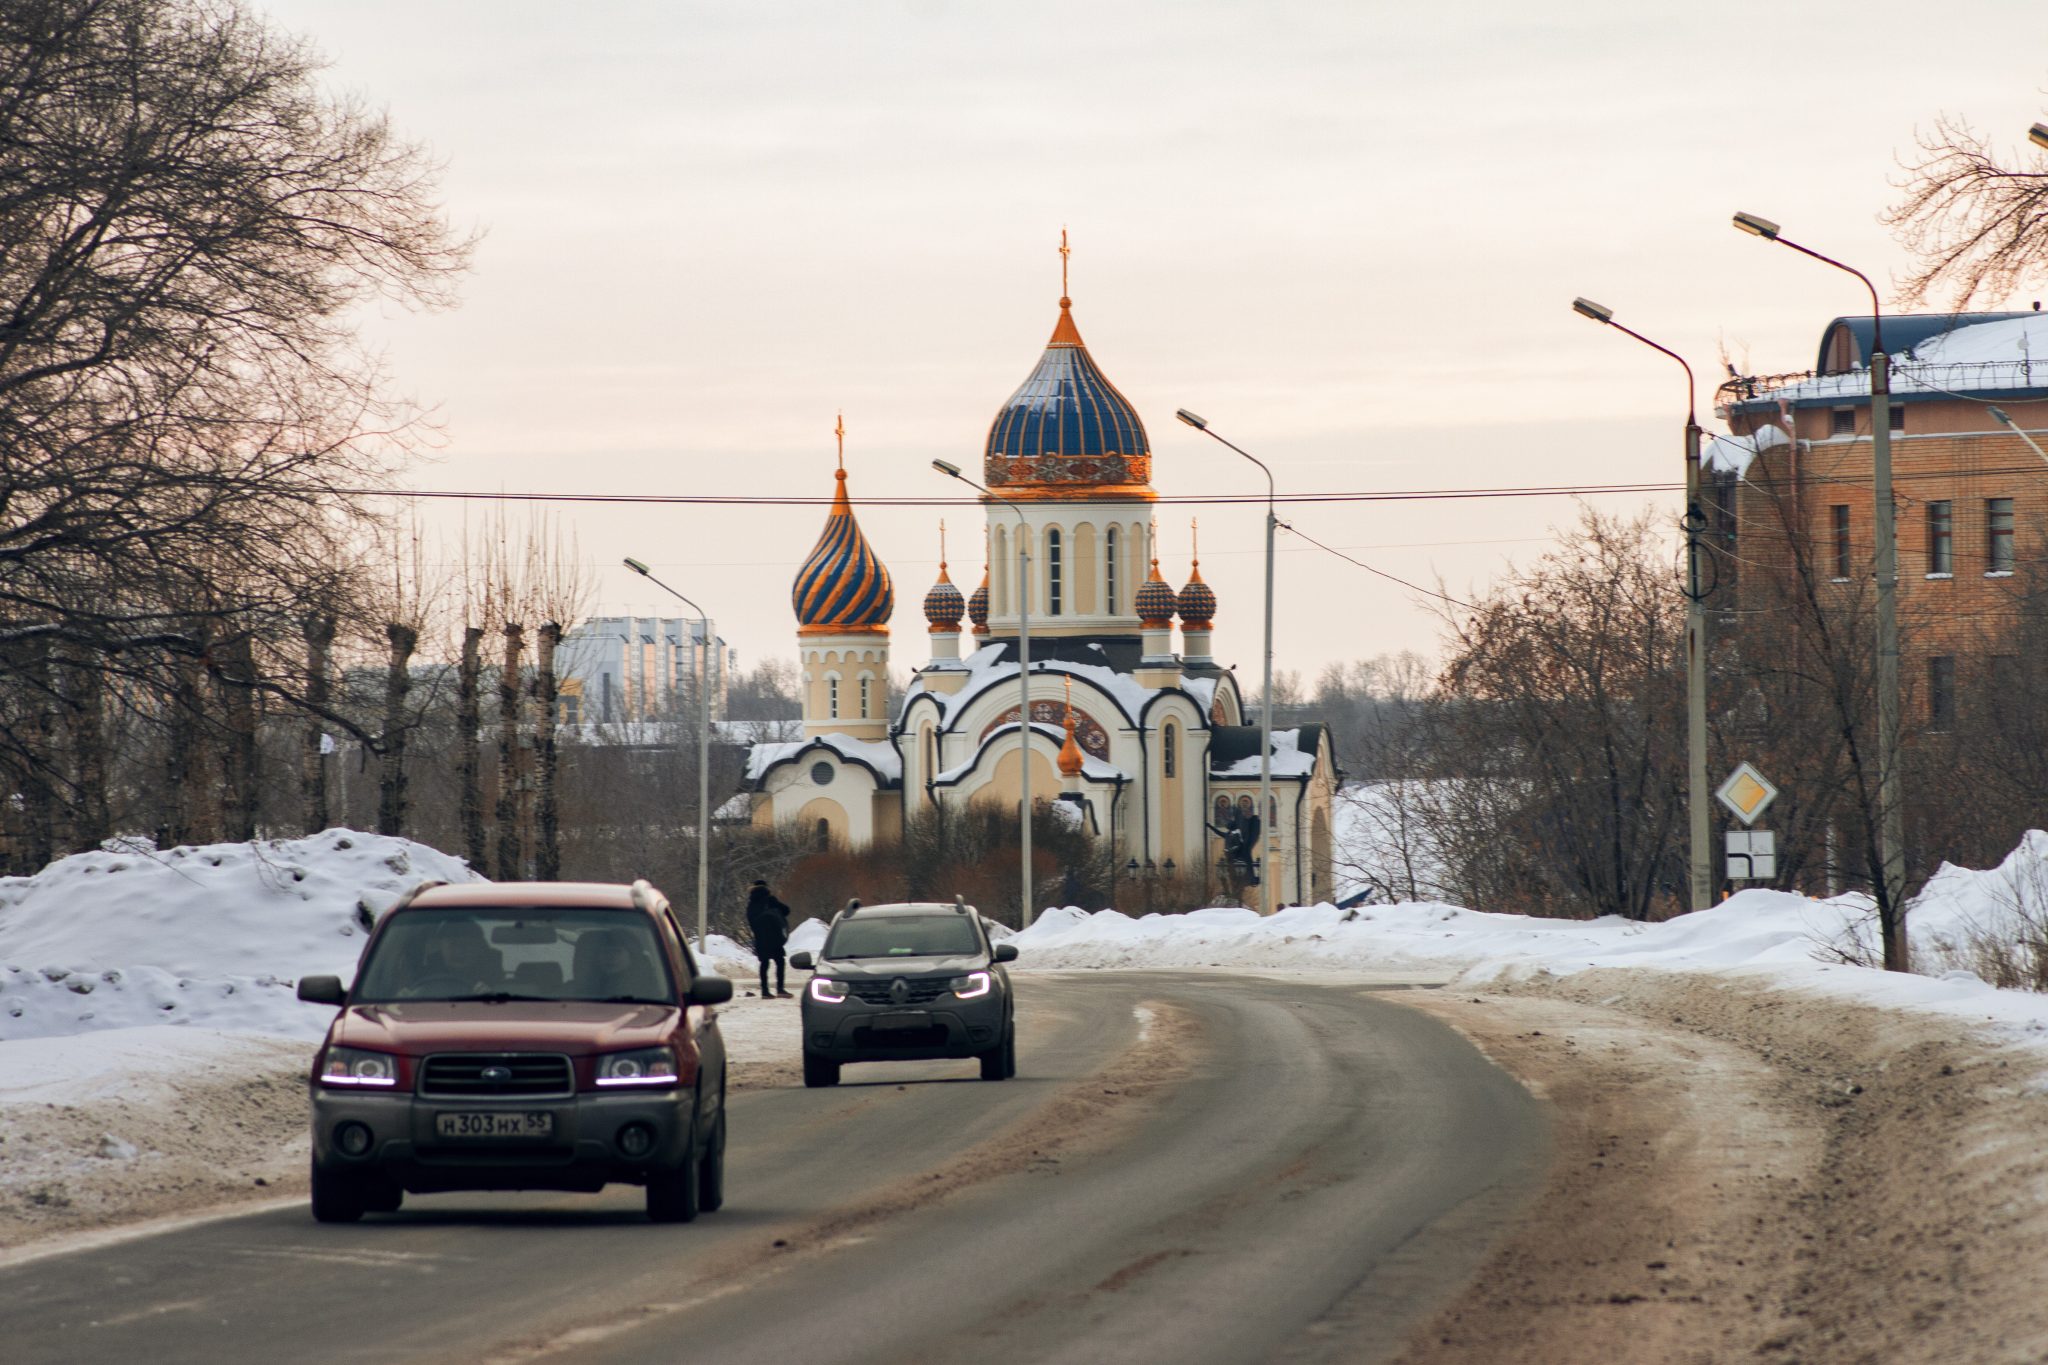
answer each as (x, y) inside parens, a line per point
(1197, 600)
(1067, 430)
(944, 605)
(1156, 600)
(843, 585)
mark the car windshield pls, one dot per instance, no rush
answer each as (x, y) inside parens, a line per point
(515, 953)
(903, 936)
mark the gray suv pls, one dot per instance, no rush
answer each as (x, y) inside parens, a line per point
(908, 982)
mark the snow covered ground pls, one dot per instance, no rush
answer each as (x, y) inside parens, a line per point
(138, 984)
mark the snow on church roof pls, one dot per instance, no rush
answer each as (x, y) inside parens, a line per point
(1288, 759)
(1092, 768)
(877, 754)
(986, 669)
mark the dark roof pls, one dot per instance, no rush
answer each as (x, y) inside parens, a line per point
(1901, 333)
(1230, 744)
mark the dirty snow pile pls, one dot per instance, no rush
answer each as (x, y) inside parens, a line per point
(214, 935)
(1798, 942)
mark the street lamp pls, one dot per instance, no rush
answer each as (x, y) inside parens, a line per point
(703, 760)
(1267, 824)
(1697, 812)
(1998, 414)
(2038, 134)
(1891, 833)
(952, 471)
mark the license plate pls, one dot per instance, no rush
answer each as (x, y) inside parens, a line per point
(495, 1124)
(904, 1021)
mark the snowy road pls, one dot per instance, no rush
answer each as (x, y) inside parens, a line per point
(1189, 1168)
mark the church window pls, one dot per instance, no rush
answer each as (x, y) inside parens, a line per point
(1109, 566)
(864, 698)
(832, 698)
(1053, 596)
(1166, 748)
(824, 834)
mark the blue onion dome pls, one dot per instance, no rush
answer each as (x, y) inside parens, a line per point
(1067, 426)
(842, 586)
(1156, 601)
(943, 605)
(1197, 602)
(977, 605)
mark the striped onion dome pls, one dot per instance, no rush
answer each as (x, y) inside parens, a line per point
(1067, 424)
(977, 605)
(943, 605)
(842, 586)
(1197, 602)
(1156, 601)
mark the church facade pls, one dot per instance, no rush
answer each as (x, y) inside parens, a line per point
(1141, 735)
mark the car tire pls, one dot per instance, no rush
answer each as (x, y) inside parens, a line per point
(672, 1195)
(711, 1169)
(820, 1071)
(999, 1063)
(337, 1198)
(383, 1196)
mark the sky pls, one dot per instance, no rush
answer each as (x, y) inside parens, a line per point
(1348, 234)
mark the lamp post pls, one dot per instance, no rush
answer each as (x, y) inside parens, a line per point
(2038, 135)
(1268, 826)
(1998, 414)
(952, 471)
(1697, 811)
(703, 759)
(1891, 829)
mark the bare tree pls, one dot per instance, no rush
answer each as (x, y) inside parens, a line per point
(1978, 228)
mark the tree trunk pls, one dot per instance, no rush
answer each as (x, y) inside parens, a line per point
(511, 852)
(86, 713)
(38, 790)
(469, 722)
(236, 679)
(548, 850)
(319, 632)
(187, 799)
(391, 804)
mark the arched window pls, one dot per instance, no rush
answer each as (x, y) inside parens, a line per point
(824, 834)
(1109, 541)
(1053, 596)
(864, 696)
(832, 698)
(1166, 740)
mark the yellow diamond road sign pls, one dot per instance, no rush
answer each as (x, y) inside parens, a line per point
(1747, 792)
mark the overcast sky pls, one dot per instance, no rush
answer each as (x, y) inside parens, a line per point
(1347, 233)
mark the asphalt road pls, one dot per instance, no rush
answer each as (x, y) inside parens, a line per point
(1191, 1168)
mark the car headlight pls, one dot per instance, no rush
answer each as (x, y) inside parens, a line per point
(971, 986)
(355, 1066)
(641, 1066)
(828, 991)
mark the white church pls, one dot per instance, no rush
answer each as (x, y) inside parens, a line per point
(1143, 735)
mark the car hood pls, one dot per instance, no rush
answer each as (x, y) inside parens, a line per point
(889, 968)
(568, 1026)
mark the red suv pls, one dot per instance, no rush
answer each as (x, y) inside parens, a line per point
(503, 1036)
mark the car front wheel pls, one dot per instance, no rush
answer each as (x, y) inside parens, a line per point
(711, 1170)
(673, 1195)
(337, 1198)
(999, 1063)
(820, 1071)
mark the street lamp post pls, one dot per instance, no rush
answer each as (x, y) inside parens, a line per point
(952, 471)
(703, 759)
(2038, 134)
(1697, 810)
(1891, 831)
(1267, 824)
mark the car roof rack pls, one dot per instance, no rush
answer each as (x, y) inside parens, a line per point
(411, 894)
(959, 904)
(644, 895)
(851, 906)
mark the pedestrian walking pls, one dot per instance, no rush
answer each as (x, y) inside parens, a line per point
(768, 922)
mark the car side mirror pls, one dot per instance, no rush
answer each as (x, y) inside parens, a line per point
(803, 962)
(322, 990)
(1005, 952)
(709, 989)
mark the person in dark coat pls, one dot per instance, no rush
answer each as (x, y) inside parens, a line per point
(768, 922)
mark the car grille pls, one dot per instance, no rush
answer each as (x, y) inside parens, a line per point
(460, 1075)
(877, 992)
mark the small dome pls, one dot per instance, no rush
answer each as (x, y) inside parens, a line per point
(943, 605)
(842, 586)
(1197, 602)
(1072, 760)
(1156, 601)
(977, 606)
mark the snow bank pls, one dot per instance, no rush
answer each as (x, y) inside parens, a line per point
(214, 936)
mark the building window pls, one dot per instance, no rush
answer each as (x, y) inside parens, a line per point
(864, 698)
(1843, 561)
(1941, 538)
(1053, 596)
(1842, 422)
(1109, 541)
(823, 835)
(1941, 692)
(1166, 749)
(1998, 518)
(1898, 416)
(832, 698)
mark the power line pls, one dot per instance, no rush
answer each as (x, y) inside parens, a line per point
(1429, 592)
(1209, 499)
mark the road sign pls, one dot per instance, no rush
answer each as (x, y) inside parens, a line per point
(1746, 792)
(1752, 855)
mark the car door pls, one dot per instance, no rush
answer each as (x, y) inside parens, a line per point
(703, 1023)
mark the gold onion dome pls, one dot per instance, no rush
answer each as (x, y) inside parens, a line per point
(843, 585)
(1197, 602)
(943, 605)
(1071, 760)
(1156, 601)
(977, 605)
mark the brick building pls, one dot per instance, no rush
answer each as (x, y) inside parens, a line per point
(1793, 492)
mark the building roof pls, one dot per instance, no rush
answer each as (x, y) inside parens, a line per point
(1067, 425)
(843, 585)
(1234, 750)
(1846, 342)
